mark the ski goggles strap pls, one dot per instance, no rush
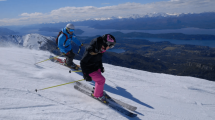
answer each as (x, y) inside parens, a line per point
(70, 30)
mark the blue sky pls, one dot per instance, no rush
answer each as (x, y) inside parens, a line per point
(21, 12)
(13, 8)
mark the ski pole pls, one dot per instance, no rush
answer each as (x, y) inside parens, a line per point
(49, 59)
(59, 85)
(75, 71)
(79, 49)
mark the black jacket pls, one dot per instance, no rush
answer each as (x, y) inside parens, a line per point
(91, 63)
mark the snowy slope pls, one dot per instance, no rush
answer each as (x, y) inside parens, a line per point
(157, 96)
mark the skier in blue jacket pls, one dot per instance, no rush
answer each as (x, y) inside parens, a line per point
(65, 45)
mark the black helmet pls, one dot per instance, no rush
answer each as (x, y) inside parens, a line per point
(108, 40)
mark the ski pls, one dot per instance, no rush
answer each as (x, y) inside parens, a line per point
(125, 105)
(62, 62)
(109, 103)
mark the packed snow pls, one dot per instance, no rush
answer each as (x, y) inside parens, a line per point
(157, 96)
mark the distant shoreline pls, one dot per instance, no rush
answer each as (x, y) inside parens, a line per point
(209, 43)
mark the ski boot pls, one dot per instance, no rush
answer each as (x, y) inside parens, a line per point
(73, 66)
(102, 98)
(76, 67)
(104, 94)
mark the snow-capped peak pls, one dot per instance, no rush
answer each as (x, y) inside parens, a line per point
(32, 41)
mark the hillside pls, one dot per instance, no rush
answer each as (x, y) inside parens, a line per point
(6, 31)
(157, 96)
(176, 36)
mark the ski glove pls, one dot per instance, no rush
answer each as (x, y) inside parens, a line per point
(67, 53)
(87, 77)
(102, 70)
(92, 53)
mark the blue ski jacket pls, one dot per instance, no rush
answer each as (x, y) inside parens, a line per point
(68, 46)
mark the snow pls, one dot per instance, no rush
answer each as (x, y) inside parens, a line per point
(157, 96)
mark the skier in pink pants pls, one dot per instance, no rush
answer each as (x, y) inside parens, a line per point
(99, 83)
(91, 63)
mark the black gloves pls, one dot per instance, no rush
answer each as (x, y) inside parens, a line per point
(67, 53)
(102, 70)
(87, 77)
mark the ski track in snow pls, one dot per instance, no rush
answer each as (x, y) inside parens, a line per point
(157, 96)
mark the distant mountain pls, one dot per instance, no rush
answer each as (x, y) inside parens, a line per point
(150, 21)
(6, 31)
(49, 29)
(31, 41)
(160, 21)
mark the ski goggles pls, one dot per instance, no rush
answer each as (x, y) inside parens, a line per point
(70, 30)
(111, 45)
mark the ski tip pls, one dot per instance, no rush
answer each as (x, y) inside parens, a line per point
(133, 108)
(132, 115)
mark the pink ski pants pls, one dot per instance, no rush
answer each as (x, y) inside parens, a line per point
(99, 82)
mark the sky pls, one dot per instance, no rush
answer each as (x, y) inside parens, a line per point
(23, 12)
(157, 96)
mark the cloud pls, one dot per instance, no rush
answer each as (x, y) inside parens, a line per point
(121, 10)
(32, 14)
